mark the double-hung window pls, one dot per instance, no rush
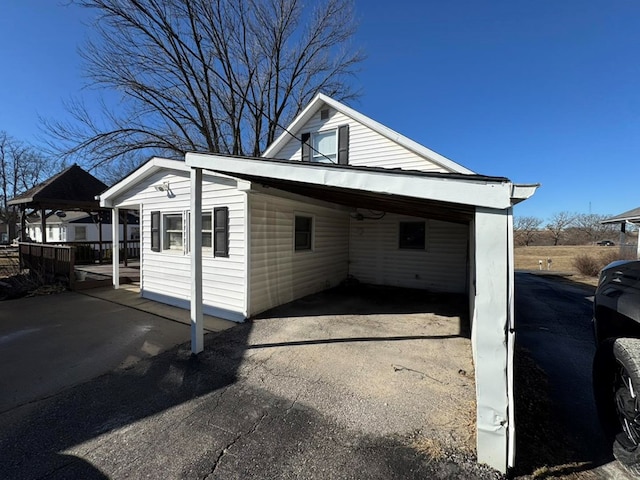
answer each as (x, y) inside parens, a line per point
(173, 232)
(207, 230)
(303, 238)
(170, 234)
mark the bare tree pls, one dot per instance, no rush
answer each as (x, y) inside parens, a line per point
(206, 75)
(589, 224)
(526, 229)
(21, 168)
(558, 223)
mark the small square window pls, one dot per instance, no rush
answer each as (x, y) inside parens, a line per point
(303, 233)
(412, 235)
(81, 233)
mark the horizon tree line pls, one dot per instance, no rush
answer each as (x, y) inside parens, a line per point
(564, 228)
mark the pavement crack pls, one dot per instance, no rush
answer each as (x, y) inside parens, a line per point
(223, 452)
(397, 368)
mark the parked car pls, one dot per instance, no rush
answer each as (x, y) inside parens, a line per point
(605, 243)
(616, 365)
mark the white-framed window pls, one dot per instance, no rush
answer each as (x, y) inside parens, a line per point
(303, 233)
(173, 233)
(207, 230)
(325, 146)
(80, 232)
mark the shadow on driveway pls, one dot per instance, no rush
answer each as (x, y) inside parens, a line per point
(250, 409)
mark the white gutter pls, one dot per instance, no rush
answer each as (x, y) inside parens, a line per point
(520, 192)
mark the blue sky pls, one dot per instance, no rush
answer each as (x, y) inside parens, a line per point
(544, 91)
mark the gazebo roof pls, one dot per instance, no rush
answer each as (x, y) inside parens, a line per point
(73, 188)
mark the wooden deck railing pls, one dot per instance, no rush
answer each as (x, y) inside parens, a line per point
(99, 252)
(52, 262)
(55, 262)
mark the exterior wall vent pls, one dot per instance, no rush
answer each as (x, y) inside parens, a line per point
(324, 114)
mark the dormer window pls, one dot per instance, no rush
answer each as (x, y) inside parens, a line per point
(324, 147)
(328, 146)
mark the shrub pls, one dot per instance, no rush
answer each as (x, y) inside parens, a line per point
(588, 265)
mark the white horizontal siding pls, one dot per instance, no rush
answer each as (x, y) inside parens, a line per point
(375, 257)
(166, 276)
(366, 147)
(278, 273)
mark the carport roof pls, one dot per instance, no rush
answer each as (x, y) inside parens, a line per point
(629, 216)
(446, 196)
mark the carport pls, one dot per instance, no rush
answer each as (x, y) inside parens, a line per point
(483, 203)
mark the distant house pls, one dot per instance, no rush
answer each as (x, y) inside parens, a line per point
(72, 226)
(337, 195)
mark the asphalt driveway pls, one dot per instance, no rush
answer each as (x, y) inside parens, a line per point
(357, 388)
(49, 343)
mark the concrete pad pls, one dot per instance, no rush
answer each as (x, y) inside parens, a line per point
(129, 296)
(398, 361)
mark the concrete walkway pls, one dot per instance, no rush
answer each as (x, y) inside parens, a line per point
(129, 296)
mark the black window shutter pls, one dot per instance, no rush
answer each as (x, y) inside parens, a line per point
(221, 232)
(306, 148)
(343, 145)
(155, 231)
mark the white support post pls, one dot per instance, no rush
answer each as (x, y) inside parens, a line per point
(197, 332)
(511, 342)
(115, 246)
(491, 336)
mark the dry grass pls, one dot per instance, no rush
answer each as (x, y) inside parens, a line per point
(562, 256)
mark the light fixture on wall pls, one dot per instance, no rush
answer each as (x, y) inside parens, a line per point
(164, 187)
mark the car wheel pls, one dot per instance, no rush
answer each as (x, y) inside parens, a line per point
(616, 382)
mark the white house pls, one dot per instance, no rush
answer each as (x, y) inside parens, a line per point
(76, 226)
(336, 194)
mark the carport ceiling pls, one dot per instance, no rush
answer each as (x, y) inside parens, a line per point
(449, 212)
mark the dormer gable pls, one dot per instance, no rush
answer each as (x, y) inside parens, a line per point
(328, 131)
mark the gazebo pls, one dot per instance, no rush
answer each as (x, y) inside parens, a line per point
(631, 216)
(71, 189)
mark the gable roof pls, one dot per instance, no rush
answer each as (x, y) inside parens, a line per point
(71, 188)
(630, 216)
(320, 100)
(145, 170)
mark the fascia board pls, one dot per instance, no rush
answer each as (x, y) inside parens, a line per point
(147, 169)
(461, 191)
